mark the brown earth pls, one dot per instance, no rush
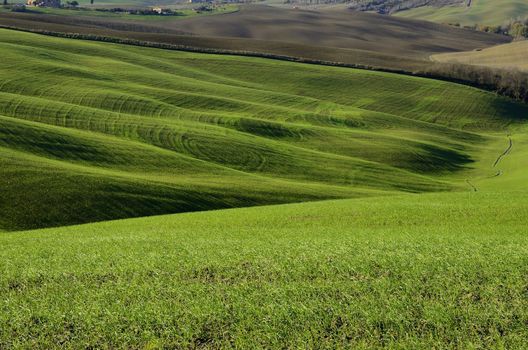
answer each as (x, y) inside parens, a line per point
(328, 35)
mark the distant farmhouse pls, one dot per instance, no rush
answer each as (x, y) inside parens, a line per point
(162, 11)
(44, 3)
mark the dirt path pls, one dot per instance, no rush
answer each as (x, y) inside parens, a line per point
(497, 161)
(505, 153)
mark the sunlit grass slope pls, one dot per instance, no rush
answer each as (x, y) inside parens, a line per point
(506, 168)
(93, 131)
(508, 56)
(413, 272)
(488, 12)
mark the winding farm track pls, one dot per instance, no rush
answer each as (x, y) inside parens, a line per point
(505, 153)
(497, 161)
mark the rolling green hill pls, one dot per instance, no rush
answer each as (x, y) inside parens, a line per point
(417, 271)
(94, 131)
(488, 12)
(508, 56)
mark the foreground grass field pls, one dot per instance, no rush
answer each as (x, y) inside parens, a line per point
(487, 12)
(508, 56)
(87, 127)
(416, 271)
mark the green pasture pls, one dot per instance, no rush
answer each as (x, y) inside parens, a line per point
(411, 233)
(486, 12)
(412, 271)
(86, 127)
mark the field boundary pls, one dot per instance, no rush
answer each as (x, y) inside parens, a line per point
(430, 74)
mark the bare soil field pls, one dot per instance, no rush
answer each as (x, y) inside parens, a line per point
(330, 35)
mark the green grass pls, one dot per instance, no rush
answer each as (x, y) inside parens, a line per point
(416, 271)
(487, 12)
(92, 131)
(88, 126)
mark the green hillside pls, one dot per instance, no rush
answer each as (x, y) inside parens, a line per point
(417, 271)
(487, 12)
(93, 131)
(417, 241)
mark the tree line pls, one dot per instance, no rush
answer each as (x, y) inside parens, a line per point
(512, 83)
(515, 27)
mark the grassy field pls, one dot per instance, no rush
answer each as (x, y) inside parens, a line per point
(97, 131)
(88, 126)
(416, 271)
(508, 56)
(487, 12)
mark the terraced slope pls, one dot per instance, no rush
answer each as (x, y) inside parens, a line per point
(93, 131)
(509, 56)
(488, 12)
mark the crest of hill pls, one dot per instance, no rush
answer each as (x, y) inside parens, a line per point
(330, 35)
(338, 28)
(488, 12)
(391, 6)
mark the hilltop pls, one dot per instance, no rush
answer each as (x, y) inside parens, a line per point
(337, 28)
(327, 35)
(394, 6)
(460, 12)
(486, 12)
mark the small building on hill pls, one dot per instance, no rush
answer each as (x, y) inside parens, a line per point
(44, 3)
(162, 11)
